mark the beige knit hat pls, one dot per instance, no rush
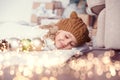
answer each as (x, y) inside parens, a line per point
(76, 26)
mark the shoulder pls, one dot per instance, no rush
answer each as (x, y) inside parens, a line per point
(82, 48)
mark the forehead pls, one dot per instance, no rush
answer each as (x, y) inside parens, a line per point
(69, 34)
(65, 32)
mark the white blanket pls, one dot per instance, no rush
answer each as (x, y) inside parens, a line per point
(36, 58)
(15, 30)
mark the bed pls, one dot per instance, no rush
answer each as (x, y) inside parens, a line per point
(20, 65)
(31, 65)
(38, 65)
(52, 64)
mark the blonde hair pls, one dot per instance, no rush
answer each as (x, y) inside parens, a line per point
(52, 30)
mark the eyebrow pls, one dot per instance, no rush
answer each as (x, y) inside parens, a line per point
(69, 35)
(72, 36)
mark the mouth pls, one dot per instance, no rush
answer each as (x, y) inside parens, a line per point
(62, 45)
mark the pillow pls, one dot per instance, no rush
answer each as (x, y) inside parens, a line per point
(100, 29)
(112, 24)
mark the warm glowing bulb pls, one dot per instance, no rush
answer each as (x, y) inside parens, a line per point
(52, 78)
(44, 78)
(1, 73)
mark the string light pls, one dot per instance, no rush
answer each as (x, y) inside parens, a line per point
(31, 65)
(24, 45)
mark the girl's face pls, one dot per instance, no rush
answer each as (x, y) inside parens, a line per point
(65, 40)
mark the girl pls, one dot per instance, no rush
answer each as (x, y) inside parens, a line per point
(68, 33)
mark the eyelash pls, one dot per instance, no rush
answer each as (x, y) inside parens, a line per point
(71, 44)
(66, 36)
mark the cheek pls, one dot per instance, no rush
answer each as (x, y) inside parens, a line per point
(57, 42)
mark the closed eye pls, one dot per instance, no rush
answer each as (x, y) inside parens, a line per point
(72, 44)
(66, 36)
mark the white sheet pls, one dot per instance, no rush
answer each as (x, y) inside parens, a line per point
(43, 58)
(15, 30)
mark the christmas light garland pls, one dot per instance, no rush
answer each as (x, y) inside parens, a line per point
(15, 44)
(37, 63)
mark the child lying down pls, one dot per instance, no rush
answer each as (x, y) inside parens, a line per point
(68, 33)
(60, 41)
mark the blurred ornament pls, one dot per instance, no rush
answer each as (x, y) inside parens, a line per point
(37, 44)
(4, 45)
(26, 45)
(14, 43)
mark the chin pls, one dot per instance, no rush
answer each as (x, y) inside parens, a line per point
(58, 45)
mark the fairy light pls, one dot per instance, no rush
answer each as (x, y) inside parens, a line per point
(38, 70)
(25, 45)
(4, 46)
(20, 68)
(37, 44)
(45, 78)
(12, 70)
(112, 70)
(89, 65)
(47, 71)
(14, 44)
(108, 75)
(20, 77)
(31, 63)
(117, 65)
(27, 72)
(52, 78)
(1, 73)
(106, 58)
(90, 56)
(90, 74)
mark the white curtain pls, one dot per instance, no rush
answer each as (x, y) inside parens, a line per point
(15, 10)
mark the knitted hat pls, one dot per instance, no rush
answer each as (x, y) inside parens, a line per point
(76, 26)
